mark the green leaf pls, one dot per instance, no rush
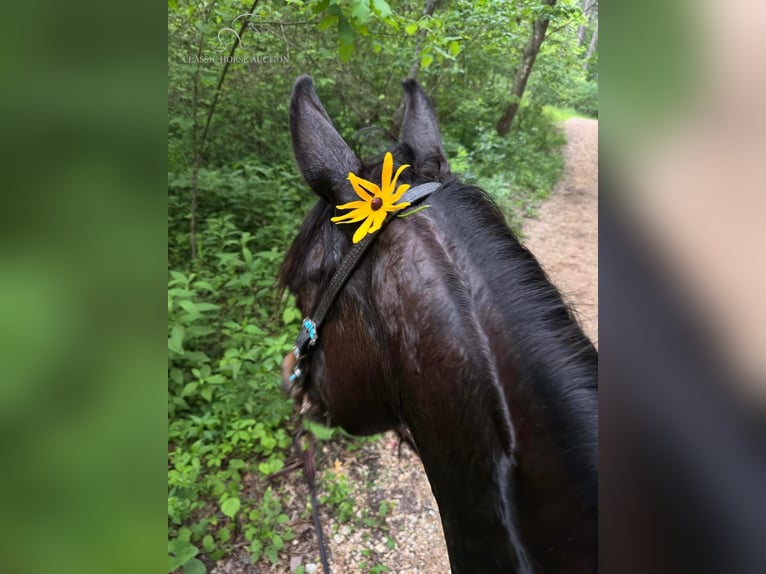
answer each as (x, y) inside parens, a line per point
(382, 8)
(345, 31)
(208, 543)
(180, 552)
(345, 39)
(321, 432)
(255, 550)
(426, 60)
(176, 375)
(290, 314)
(345, 51)
(361, 11)
(176, 340)
(268, 442)
(327, 22)
(454, 47)
(194, 566)
(321, 6)
(410, 29)
(184, 534)
(189, 306)
(230, 506)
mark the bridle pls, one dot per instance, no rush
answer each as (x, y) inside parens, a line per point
(309, 333)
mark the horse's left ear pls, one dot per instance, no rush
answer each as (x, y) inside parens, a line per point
(323, 157)
(420, 130)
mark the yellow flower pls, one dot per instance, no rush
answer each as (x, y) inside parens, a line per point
(376, 202)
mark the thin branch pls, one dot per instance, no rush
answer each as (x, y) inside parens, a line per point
(197, 152)
(297, 23)
(591, 48)
(210, 112)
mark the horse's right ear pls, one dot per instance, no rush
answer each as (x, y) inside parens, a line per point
(420, 131)
(323, 157)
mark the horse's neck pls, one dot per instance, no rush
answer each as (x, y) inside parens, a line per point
(505, 495)
(479, 387)
(471, 476)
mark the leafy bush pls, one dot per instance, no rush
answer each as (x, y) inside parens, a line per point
(518, 171)
(584, 97)
(569, 90)
(227, 334)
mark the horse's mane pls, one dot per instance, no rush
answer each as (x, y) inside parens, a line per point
(558, 362)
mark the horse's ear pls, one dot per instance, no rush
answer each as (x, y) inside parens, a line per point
(420, 130)
(323, 157)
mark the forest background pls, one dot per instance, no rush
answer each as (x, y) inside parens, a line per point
(502, 76)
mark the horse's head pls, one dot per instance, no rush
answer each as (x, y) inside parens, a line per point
(347, 379)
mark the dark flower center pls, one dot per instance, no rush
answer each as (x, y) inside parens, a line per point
(376, 204)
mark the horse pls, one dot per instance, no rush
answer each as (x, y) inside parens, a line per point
(449, 330)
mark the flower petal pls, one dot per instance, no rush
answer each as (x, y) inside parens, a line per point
(352, 205)
(377, 220)
(398, 173)
(400, 192)
(398, 206)
(385, 176)
(363, 188)
(352, 216)
(362, 230)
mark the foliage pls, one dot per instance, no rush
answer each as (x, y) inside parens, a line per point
(235, 201)
(558, 115)
(531, 150)
(227, 416)
(338, 495)
(559, 79)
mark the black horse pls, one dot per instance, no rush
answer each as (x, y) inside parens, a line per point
(449, 328)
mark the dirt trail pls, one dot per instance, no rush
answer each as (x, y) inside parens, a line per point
(410, 540)
(564, 236)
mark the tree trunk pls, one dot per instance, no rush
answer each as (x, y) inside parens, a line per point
(528, 56)
(591, 48)
(581, 32)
